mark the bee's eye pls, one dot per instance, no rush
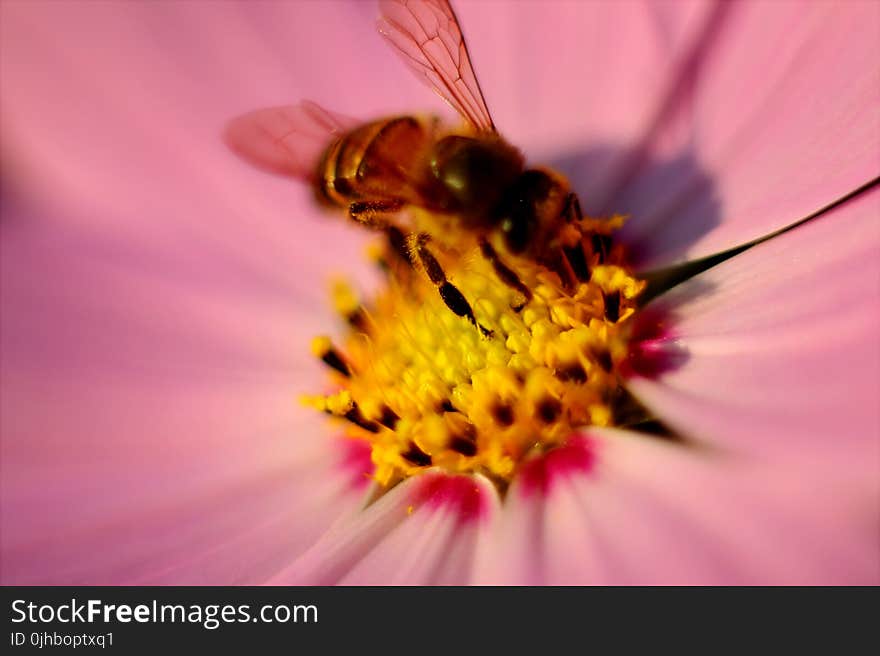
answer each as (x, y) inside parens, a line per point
(473, 172)
(519, 216)
(517, 228)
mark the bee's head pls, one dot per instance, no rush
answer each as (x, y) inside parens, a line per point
(472, 175)
(530, 209)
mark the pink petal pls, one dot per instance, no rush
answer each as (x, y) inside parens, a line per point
(110, 111)
(150, 425)
(575, 83)
(158, 299)
(157, 293)
(149, 105)
(776, 349)
(423, 532)
(515, 551)
(775, 120)
(651, 512)
(231, 506)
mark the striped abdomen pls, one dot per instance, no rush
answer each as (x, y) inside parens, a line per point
(378, 160)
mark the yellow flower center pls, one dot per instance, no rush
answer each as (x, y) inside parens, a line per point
(426, 388)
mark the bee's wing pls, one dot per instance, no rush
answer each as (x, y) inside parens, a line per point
(286, 140)
(427, 35)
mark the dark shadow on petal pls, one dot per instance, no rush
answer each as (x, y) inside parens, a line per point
(671, 203)
(632, 414)
(654, 346)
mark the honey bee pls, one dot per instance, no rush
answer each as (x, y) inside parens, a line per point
(470, 181)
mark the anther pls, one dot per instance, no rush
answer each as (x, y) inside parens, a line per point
(324, 349)
(612, 306)
(355, 416)
(463, 446)
(572, 372)
(446, 406)
(503, 414)
(416, 456)
(348, 306)
(357, 320)
(601, 245)
(463, 436)
(389, 418)
(549, 410)
(603, 358)
(578, 262)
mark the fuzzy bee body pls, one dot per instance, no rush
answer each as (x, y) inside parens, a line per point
(478, 182)
(419, 181)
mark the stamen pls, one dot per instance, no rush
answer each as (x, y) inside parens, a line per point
(424, 388)
(603, 359)
(354, 416)
(446, 406)
(601, 245)
(503, 414)
(578, 262)
(463, 446)
(323, 348)
(389, 418)
(573, 372)
(612, 306)
(548, 410)
(416, 456)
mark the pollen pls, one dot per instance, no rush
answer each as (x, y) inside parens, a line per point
(425, 387)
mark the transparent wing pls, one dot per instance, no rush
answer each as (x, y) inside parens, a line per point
(427, 35)
(286, 140)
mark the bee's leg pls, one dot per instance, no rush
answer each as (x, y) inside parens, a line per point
(377, 215)
(450, 294)
(571, 211)
(396, 259)
(505, 273)
(577, 262)
(374, 213)
(558, 262)
(574, 255)
(601, 245)
(397, 244)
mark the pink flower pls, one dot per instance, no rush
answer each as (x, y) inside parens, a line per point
(158, 297)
